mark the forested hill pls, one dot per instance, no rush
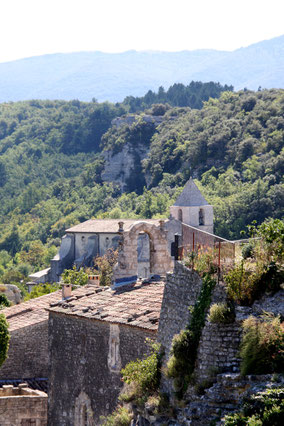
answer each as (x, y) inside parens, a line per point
(113, 76)
(53, 160)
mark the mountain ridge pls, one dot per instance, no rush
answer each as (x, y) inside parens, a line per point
(113, 76)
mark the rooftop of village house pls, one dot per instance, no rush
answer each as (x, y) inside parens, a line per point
(108, 226)
(138, 305)
(33, 311)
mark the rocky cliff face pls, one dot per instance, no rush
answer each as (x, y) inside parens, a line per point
(126, 166)
(120, 167)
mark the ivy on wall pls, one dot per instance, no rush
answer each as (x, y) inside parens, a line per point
(185, 344)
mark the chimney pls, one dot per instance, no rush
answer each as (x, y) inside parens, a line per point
(66, 291)
(120, 226)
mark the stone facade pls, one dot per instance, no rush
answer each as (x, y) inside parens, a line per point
(22, 406)
(160, 259)
(85, 361)
(28, 353)
(218, 350)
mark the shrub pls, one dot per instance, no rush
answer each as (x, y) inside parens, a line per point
(4, 339)
(4, 302)
(262, 346)
(105, 265)
(120, 417)
(40, 290)
(264, 408)
(248, 250)
(144, 374)
(221, 313)
(72, 276)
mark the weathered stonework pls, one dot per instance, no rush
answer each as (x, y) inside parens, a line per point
(22, 406)
(80, 365)
(160, 259)
(181, 291)
(28, 353)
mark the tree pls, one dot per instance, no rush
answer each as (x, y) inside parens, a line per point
(4, 339)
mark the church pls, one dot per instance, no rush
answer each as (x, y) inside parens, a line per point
(83, 242)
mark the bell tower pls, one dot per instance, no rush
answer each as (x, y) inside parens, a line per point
(192, 209)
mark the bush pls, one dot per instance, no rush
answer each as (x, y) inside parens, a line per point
(41, 290)
(105, 265)
(248, 250)
(72, 276)
(4, 338)
(120, 417)
(262, 346)
(221, 313)
(144, 374)
(4, 302)
(264, 408)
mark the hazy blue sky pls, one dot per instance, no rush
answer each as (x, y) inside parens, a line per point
(36, 27)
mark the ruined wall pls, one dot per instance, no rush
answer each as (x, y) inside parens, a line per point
(28, 353)
(181, 291)
(79, 346)
(160, 259)
(22, 407)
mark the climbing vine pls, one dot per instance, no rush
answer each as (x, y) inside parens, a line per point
(185, 344)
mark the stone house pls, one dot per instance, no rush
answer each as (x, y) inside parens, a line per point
(28, 350)
(91, 337)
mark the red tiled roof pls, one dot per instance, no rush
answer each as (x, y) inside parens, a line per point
(138, 306)
(33, 311)
(108, 225)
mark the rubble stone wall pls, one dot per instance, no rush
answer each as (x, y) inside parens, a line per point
(28, 353)
(22, 407)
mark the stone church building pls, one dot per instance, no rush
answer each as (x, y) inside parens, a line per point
(83, 242)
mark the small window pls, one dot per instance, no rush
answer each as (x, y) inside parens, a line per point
(201, 217)
(180, 215)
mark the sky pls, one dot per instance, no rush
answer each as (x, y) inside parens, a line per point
(37, 27)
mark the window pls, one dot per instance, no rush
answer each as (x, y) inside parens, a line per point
(180, 215)
(201, 217)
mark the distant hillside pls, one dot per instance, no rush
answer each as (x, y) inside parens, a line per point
(106, 76)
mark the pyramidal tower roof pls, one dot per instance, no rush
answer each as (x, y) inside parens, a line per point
(191, 196)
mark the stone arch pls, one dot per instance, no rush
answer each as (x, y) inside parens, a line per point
(83, 415)
(160, 260)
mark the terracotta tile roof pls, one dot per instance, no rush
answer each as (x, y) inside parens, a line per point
(138, 306)
(108, 225)
(33, 311)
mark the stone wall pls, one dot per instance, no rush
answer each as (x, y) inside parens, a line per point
(160, 259)
(28, 353)
(79, 346)
(22, 406)
(181, 291)
(218, 350)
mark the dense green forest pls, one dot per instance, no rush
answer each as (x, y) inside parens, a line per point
(51, 165)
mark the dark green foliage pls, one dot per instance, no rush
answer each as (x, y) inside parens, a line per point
(41, 290)
(4, 339)
(4, 302)
(262, 346)
(262, 409)
(184, 345)
(144, 374)
(178, 94)
(72, 276)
